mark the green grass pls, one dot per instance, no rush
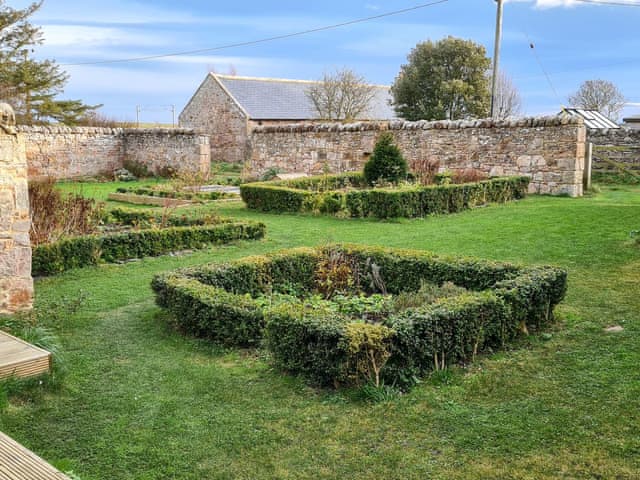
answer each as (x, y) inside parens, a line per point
(101, 190)
(141, 401)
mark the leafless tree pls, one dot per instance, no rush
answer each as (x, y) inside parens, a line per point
(343, 95)
(508, 101)
(600, 95)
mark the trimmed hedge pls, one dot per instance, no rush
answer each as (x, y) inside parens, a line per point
(94, 249)
(323, 195)
(150, 192)
(135, 218)
(218, 301)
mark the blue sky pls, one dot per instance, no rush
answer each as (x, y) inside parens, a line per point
(574, 42)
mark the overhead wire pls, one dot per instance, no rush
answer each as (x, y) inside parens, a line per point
(262, 40)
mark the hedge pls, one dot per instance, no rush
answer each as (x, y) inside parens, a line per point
(218, 301)
(93, 249)
(151, 192)
(134, 218)
(323, 195)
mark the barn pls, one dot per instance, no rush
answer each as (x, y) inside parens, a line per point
(227, 107)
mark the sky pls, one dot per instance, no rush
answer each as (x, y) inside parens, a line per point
(573, 42)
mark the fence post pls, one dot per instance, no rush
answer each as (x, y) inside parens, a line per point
(588, 164)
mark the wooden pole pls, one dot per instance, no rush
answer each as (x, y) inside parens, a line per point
(496, 61)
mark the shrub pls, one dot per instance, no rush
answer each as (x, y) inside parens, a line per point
(93, 249)
(425, 170)
(362, 339)
(54, 215)
(386, 163)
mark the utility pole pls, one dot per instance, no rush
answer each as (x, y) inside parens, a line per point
(496, 61)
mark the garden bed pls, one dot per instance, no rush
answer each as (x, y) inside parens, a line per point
(349, 195)
(193, 194)
(346, 314)
(132, 234)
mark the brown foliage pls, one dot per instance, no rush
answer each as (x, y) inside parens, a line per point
(425, 170)
(54, 215)
(468, 175)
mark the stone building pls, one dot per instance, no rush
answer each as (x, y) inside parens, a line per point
(228, 108)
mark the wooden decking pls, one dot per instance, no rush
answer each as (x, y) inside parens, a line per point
(20, 359)
(18, 463)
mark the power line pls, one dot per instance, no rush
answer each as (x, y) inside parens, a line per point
(535, 53)
(262, 40)
(612, 3)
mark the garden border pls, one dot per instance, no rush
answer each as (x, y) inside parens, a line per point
(321, 194)
(50, 259)
(216, 301)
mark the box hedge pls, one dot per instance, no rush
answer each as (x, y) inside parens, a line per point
(333, 194)
(219, 301)
(88, 250)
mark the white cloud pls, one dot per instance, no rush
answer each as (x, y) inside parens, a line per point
(92, 36)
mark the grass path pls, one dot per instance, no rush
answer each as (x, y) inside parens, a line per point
(143, 402)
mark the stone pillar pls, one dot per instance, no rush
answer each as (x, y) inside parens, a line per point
(16, 283)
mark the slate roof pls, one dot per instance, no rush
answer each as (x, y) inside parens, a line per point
(281, 99)
(592, 118)
(632, 119)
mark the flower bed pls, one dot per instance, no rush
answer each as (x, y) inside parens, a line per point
(348, 194)
(173, 194)
(145, 234)
(241, 303)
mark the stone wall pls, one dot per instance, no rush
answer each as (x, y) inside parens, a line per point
(213, 112)
(550, 150)
(162, 149)
(16, 284)
(620, 146)
(67, 153)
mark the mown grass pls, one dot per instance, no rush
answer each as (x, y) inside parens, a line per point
(142, 401)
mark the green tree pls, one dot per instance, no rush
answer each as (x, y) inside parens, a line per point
(386, 162)
(30, 85)
(447, 79)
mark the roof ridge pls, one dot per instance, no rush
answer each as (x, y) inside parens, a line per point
(278, 80)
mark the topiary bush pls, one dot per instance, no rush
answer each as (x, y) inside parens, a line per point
(386, 165)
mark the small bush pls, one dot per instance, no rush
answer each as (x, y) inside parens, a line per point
(468, 175)
(386, 165)
(54, 215)
(425, 170)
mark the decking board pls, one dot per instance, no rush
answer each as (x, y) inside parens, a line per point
(18, 463)
(20, 359)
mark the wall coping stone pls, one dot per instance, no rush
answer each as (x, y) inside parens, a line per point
(61, 129)
(531, 122)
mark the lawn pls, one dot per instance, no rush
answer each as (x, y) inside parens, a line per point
(140, 401)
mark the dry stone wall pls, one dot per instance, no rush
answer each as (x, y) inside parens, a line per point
(167, 150)
(76, 152)
(550, 150)
(611, 147)
(16, 284)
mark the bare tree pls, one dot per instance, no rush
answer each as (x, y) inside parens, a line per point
(600, 95)
(343, 95)
(508, 101)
